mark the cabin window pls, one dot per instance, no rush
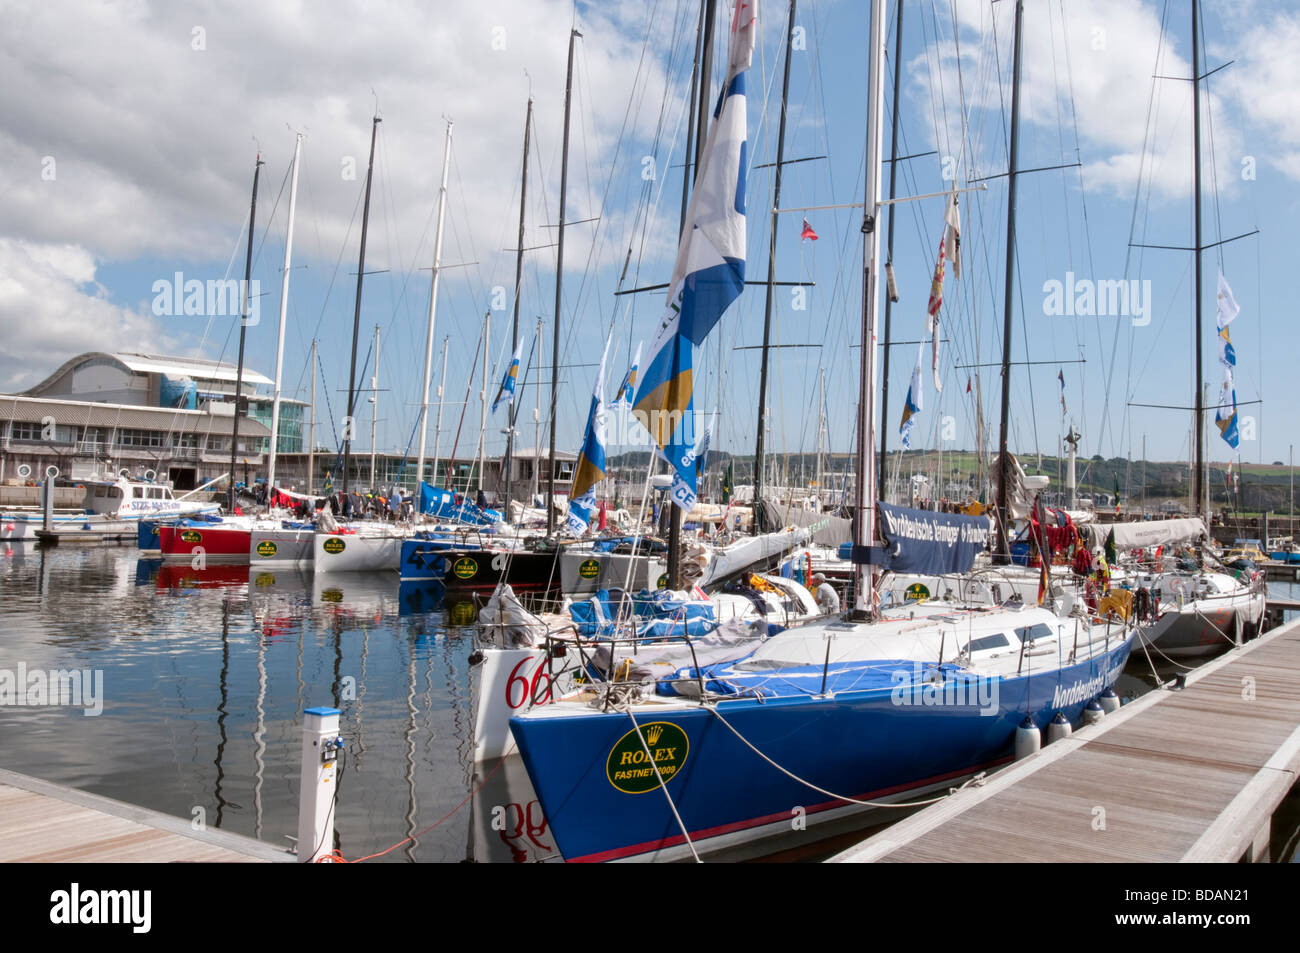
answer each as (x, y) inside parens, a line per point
(996, 641)
(1034, 633)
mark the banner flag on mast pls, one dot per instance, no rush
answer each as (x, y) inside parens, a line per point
(912, 404)
(709, 272)
(590, 467)
(932, 310)
(1225, 418)
(628, 387)
(506, 394)
(952, 235)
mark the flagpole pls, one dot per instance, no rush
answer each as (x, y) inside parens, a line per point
(243, 327)
(771, 266)
(559, 284)
(284, 308)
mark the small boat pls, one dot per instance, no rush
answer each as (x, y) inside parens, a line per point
(111, 509)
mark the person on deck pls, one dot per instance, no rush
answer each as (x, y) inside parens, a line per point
(828, 600)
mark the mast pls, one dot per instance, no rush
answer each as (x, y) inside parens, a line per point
(537, 417)
(356, 316)
(374, 411)
(437, 427)
(701, 139)
(1004, 466)
(243, 328)
(771, 266)
(1199, 488)
(512, 411)
(311, 429)
(865, 504)
(889, 241)
(482, 396)
(284, 309)
(433, 308)
(559, 285)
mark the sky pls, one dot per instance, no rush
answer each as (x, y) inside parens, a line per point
(129, 132)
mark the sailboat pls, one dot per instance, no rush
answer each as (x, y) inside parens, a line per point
(835, 717)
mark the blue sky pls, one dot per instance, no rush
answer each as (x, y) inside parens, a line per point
(152, 117)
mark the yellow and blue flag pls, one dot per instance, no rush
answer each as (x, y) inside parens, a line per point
(628, 387)
(709, 272)
(590, 468)
(506, 395)
(912, 404)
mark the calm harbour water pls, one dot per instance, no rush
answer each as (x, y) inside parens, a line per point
(205, 676)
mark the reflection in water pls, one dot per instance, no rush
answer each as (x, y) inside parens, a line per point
(272, 643)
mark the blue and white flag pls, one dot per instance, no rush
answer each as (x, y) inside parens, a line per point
(628, 387)
(1228, 307)
(506, 395)
(709, 272)
(702, 448)
(912, 404)
(1225, 418)
(590, 468)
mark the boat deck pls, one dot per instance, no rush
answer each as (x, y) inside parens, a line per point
(42, 822)
(1187, 774)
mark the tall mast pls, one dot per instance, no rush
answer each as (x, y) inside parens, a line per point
(348, 424)
(865, 504)
(512, 412)
(889, 253)
(374, 411)
(437, 427)
(537, 417)
(1004, 465)
(482, 396)
(771, 265)
(701, 139)
(311, 429)
(1199, 477)
(243, 328)
(559, 285)
(433, 309)
(284, 309)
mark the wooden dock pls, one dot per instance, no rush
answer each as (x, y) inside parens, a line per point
(48, 823)
(1184, 774)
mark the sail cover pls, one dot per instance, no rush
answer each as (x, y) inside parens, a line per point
(1146, 533)
(931, 542)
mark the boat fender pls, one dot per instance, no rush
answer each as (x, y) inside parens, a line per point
(1093, 712)
(1028, 738)
(1059, 728)
(51, 471)
(1109, 701)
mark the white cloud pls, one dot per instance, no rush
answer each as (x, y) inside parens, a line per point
(51, 309)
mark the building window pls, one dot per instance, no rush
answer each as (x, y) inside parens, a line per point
(142, 439)
(217, 444)
(185, 441)
(563, 470)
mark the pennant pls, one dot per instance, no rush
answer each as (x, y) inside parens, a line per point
(1060, 376)
(968, 384)
(590, 467)
(709, 272)
(1117, 494)
(1228, 308)
(506, 393)
(628, 387)
(952, 236)
(932, 311)
(808, 233)
(729, 482)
